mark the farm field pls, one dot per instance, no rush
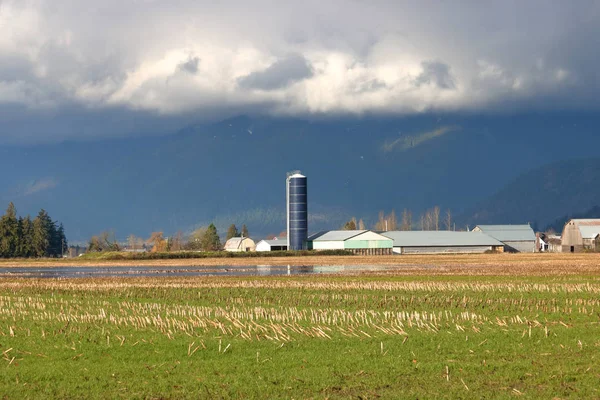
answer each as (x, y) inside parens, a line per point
(487, 264)
(500, 327)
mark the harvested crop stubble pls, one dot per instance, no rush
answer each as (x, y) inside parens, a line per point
(388, 335)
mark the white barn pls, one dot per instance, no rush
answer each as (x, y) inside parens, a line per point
(271, 245)
(237, 244)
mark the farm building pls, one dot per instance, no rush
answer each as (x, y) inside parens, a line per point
(516, 238)
(357, 241)
(271, 245)
(548, 243)
(581, 234)
(240, 244)
(442, 242)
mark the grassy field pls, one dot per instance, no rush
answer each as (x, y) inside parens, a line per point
(448, 327)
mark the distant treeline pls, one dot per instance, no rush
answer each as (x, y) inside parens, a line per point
(431, 220)
(23, 237)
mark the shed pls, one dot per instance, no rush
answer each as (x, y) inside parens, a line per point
(271, 245)
(581, 235)
(357, 241)
(240, 244)
(442, 242)
(548, 243)
(554, 243)
(516, 238)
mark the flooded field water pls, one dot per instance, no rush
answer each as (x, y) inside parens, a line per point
(140, 271)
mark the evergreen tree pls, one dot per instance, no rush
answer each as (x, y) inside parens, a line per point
(232, 232)
(43, 229)
(25, 246)
(210, 240)
(22, 237)
(245, 231)
(9, 232)
(62, 240)
(55, 241)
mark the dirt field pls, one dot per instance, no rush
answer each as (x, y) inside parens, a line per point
(472, 264)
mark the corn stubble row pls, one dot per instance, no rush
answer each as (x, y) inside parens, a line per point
(407, 308)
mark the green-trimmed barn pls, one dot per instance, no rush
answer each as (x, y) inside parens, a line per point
(357, 241)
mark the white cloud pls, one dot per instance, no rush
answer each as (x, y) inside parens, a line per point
(39, 186)
(186, 56)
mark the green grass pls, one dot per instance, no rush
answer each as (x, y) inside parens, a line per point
(301, 337)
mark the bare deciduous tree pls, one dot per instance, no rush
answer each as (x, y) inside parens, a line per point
(380, 225)
(428, 220)
(134, 242)
(361, 225)
(436, 217)
(406, 220)
(177, 242)
(157, 242)
(448, 220)
(392, 222)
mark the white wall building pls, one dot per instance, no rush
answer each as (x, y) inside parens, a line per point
(271, 245)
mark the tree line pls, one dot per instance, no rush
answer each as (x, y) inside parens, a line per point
(201, 239)
(24, 237)
(431, 220)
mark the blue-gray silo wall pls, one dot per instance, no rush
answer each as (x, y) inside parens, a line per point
(298, 216)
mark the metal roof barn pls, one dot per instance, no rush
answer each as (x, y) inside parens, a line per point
(581, 235)
(516, 238)
(240, 244)
(433, 242)
(357, 241)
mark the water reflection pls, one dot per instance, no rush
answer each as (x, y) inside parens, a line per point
(158, 271)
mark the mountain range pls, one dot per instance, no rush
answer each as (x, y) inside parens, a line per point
(486, 169)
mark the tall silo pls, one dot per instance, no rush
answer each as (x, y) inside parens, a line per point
(297, 211)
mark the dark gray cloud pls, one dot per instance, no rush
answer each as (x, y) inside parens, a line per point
(169, 60)
(190, 66)
(279, 75)
(437, 73)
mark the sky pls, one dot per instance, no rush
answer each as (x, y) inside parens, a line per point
(86, 69)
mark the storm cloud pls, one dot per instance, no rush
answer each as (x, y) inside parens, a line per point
(192, 57)
(279, 75)
(436, 73)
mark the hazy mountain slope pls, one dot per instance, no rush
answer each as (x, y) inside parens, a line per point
(540, 195)
(558, 224)
(234, 171)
